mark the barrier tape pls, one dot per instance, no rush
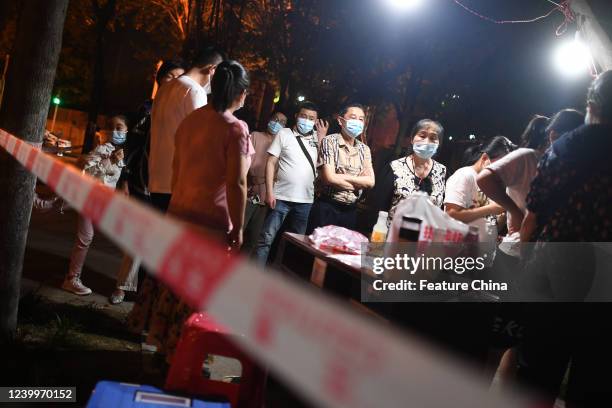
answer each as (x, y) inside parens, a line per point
(329, 353)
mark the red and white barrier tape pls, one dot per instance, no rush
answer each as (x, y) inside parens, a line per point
(332, 355)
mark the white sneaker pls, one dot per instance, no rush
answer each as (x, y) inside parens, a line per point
(75, 286)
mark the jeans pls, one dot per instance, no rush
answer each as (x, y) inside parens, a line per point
(296, 216)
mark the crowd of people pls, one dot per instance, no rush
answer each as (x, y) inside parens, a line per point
(188, 155)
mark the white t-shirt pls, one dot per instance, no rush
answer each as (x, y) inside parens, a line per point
(173, 102)
(462, 190)
(516, 170)
(294, 179)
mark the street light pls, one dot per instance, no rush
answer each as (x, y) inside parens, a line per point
(403, 4)
(56, 101)
(573, 58)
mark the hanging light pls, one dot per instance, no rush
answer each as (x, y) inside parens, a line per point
(573, 58)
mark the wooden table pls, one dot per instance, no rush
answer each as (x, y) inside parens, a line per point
(297, 257)
(460, 325)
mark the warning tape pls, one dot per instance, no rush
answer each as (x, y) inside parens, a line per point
(332, 355)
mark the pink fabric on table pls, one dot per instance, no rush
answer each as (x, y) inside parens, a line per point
(203, 142)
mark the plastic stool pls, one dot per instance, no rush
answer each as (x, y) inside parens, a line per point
(202, 336)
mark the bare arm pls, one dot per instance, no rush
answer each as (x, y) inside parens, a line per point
(270, 171)
(494, 188)
(236, 181)
(468, 215)
(528, 226)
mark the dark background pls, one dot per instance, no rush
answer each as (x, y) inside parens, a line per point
(332, 51)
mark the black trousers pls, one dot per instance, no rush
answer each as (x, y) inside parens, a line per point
(327, 212)
(161, 201)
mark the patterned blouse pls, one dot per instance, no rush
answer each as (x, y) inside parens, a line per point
(571, 194)
(405, 183)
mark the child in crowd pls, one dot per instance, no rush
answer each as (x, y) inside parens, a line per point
(104, 163)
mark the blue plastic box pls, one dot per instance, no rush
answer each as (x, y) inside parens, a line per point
(120, 395)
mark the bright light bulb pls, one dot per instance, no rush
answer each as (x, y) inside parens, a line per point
(403, 4)
(300, 98)
(573, 58)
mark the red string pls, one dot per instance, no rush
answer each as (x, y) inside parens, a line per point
(563, 8)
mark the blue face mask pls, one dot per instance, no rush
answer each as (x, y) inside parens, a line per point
(425, 150)
(274, 127)
(353, 127)
(118, 137)
(304, 126)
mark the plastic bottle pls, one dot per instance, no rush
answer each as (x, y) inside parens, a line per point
(379, 233)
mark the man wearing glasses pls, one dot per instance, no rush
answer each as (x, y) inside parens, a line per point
(255, 213)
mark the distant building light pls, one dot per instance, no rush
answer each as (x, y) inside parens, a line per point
(472, 137)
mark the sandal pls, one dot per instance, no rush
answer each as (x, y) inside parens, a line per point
(117, 297)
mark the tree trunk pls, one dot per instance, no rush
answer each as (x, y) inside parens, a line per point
(103, 15)
(24, 113)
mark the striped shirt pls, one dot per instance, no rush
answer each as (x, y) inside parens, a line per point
(344, 159)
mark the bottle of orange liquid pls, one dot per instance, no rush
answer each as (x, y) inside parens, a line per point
(379, 233)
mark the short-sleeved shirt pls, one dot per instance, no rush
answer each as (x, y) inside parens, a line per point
(462, 190)
(261, 142)
(294, 178)
(516, 170)
(344, 159)
(405, 183)
(203, 143)
(571, 194)
(173, 102)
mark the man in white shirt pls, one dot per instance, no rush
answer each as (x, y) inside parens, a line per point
(173, 102)
(290, 194)
(256, 209)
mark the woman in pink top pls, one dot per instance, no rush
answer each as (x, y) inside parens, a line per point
(211, 159)
(209, 188)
